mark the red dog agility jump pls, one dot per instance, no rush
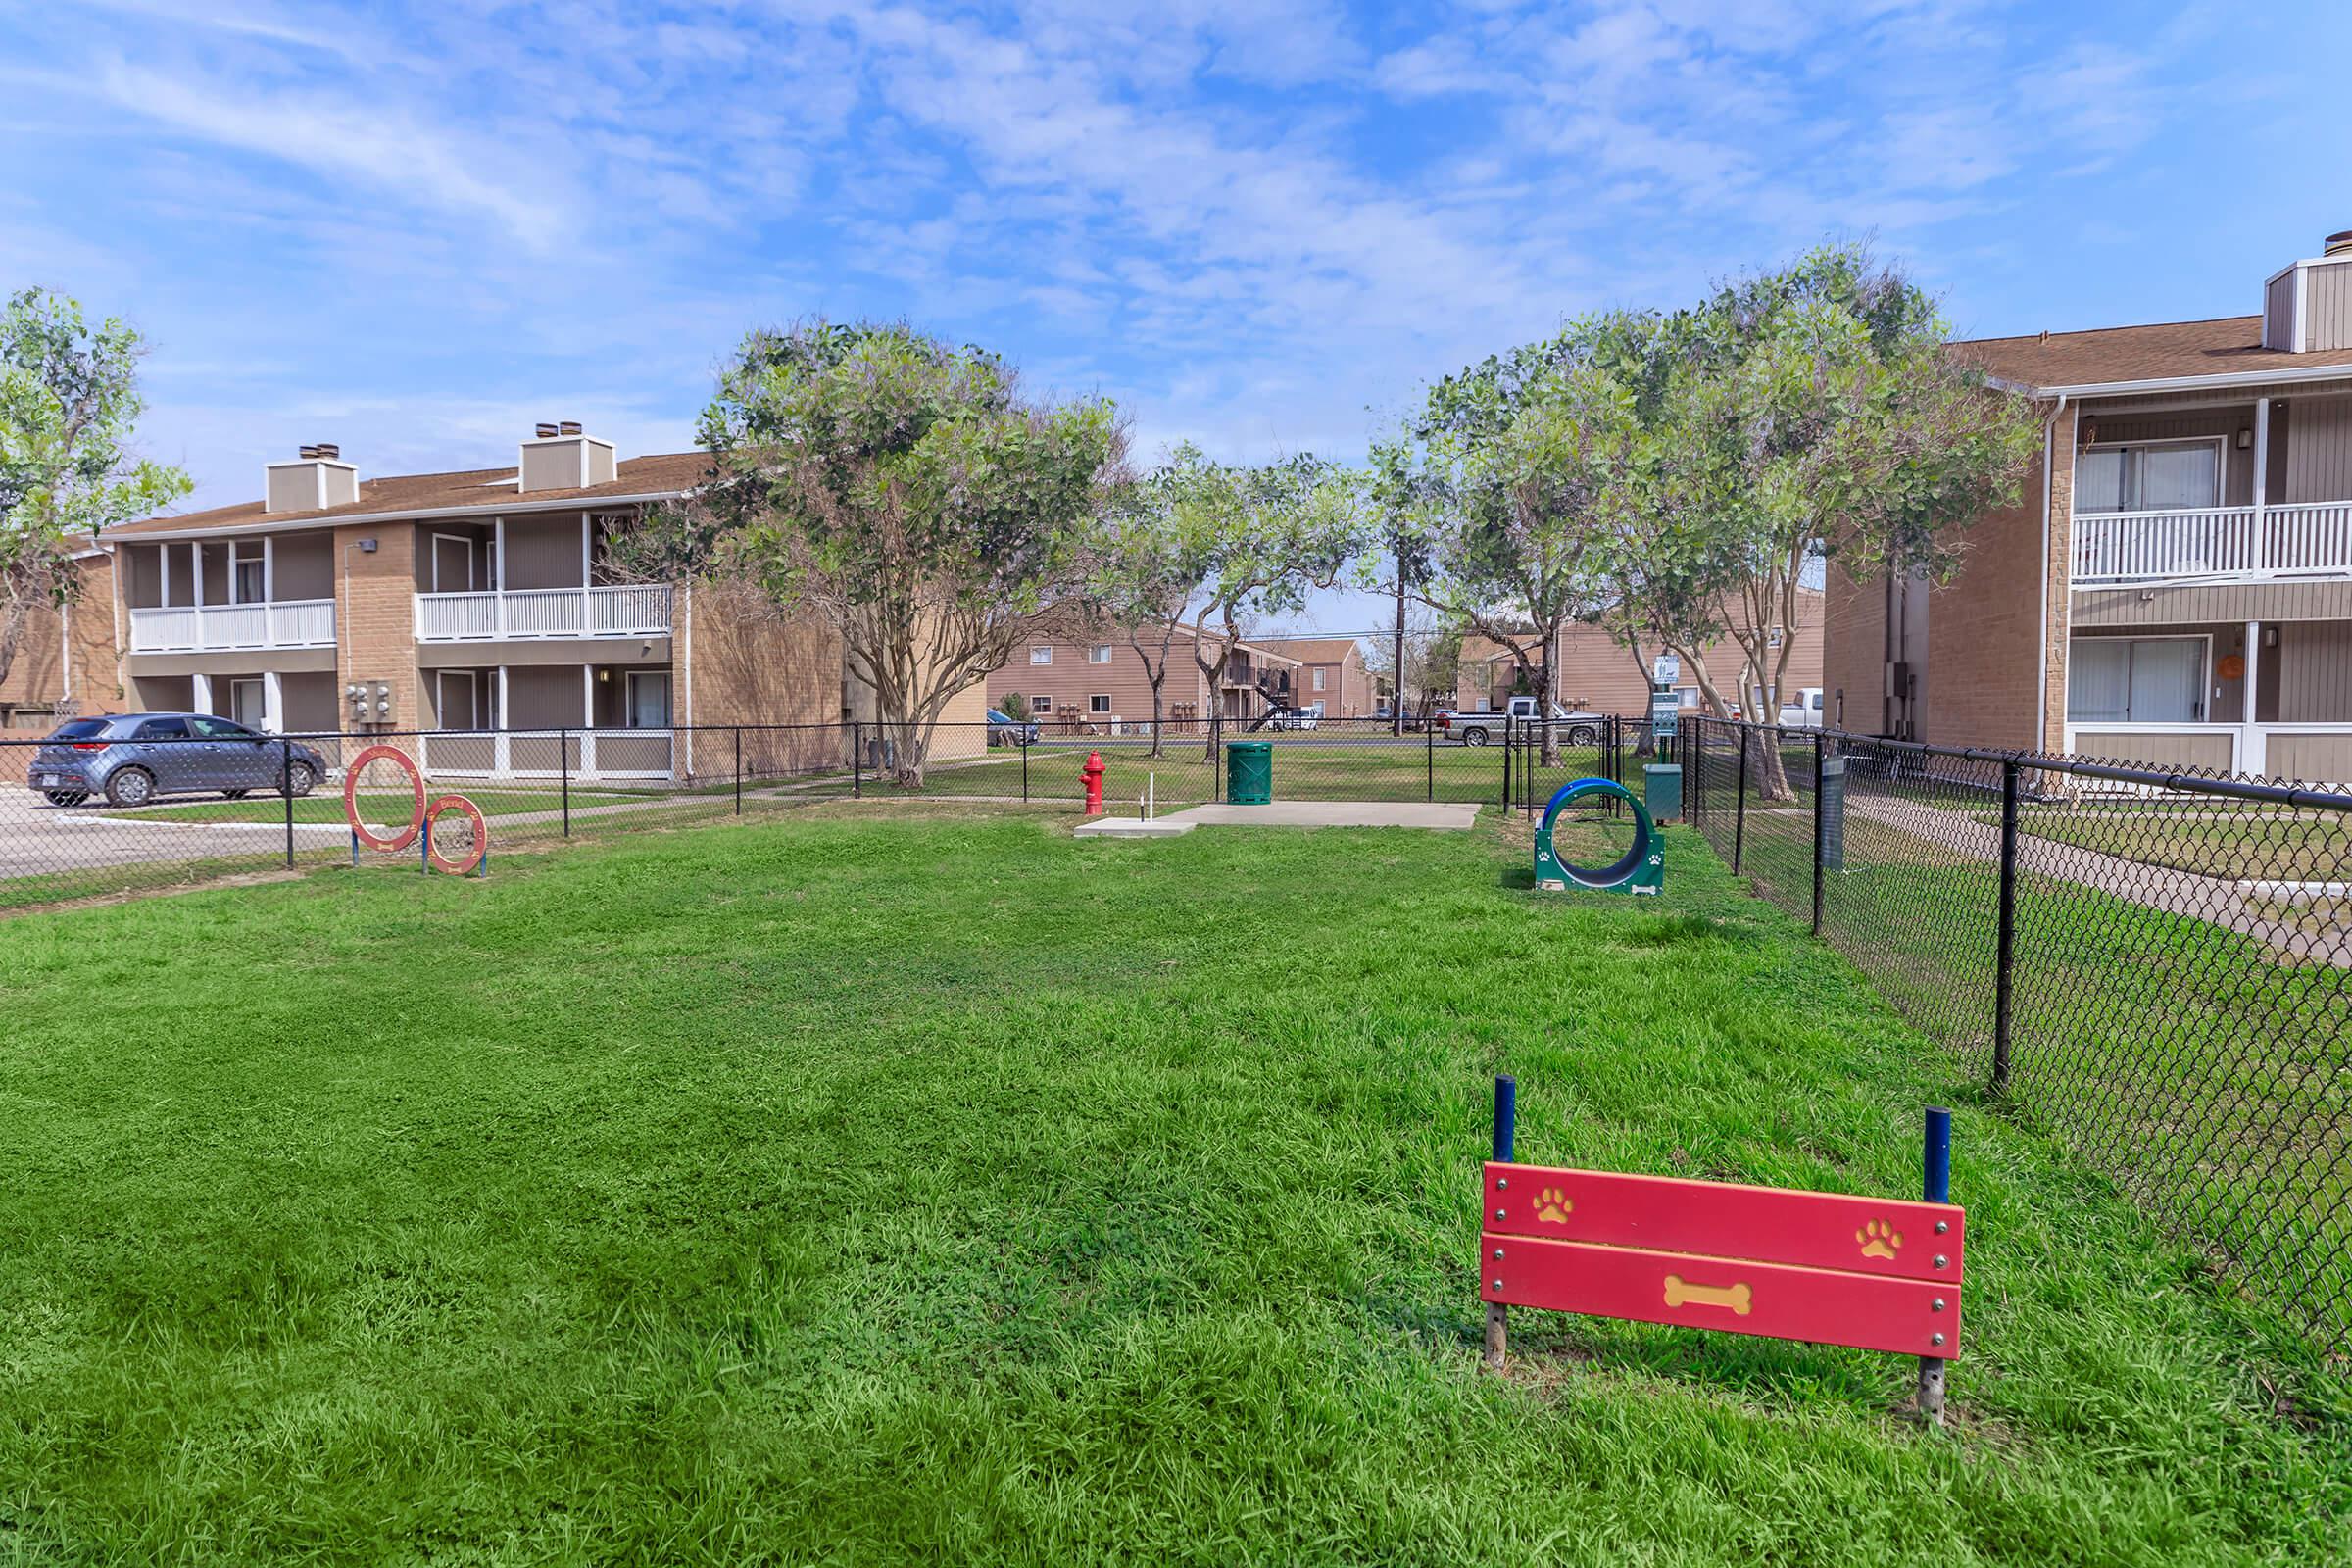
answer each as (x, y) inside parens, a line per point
(1827, 1268)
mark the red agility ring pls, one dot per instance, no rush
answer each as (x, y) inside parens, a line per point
(481, 834)
(351, 796)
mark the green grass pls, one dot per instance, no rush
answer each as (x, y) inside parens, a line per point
(2214, 838)
(389, 806)
(1305, 768)
(859, 1189)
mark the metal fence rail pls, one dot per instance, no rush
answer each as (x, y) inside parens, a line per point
(2152, 965)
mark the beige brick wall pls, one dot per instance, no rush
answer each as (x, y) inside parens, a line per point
(748, 664)
(1853, 658)
(375, 618)
(82, 646)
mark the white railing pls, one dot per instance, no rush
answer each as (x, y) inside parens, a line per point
(585, 754)
(2224, 543)
(630, 611)
(215, 628)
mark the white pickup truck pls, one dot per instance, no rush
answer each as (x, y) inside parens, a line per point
(1476, 729)
(1803, 711)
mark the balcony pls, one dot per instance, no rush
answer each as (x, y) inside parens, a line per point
(525, 615)
(2214, 544)
(217, 628)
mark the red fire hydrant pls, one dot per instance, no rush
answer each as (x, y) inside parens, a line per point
(1094, 783)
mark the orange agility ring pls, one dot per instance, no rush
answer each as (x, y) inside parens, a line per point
(481, 834)
(351, 796)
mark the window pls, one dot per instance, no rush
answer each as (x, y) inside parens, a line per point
(1041, 656)
(163, 729)
(1099, 703)
(248, 578)
(1318, 677)
(1100, 654)
(1772, 638)
(2149, 476)
(2136, 680)
(648, 693)
(1686, 696)
(1041, 706)
(222, 729)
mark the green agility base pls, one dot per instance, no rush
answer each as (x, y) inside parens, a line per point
(1641, 869)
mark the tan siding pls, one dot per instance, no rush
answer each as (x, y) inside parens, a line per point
(310, 701)
(303, 567)
(2211, 752)
(2278, 310)
(215, 555)
(543, 553)
(2213, 602)
(2319, 455)
(545, 697)
(2313, 672)
(2327, 307)
(2310, 758)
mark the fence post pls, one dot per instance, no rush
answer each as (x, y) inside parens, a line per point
(1506, 1118)
(857, 758)
(563, 768)
(2004, 957)
(739, 770)
(1936, 1187)
(1507, 766)
(1739, 812)
(1819, 828)
(1025, 771)
(286, 787)
(1429, 747)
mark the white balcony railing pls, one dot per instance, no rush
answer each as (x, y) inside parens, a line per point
(214, 628)
(633, 609)
(2223, 543)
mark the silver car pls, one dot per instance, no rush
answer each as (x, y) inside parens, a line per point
(132, 759)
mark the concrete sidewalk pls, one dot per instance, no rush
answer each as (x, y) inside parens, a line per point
(1442, 816)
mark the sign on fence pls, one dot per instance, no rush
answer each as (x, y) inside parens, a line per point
(1829, 1269)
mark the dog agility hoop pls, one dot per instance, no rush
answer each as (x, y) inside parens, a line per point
(421, 816)
(1640, 869)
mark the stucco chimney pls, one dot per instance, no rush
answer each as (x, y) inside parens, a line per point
(316, 479)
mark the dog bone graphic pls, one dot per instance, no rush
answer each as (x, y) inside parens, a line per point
(1681, 1293)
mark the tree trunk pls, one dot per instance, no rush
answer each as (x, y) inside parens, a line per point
(1545, 699)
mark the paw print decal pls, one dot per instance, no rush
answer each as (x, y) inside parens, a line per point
(1880, 1239)
(1552, 1205)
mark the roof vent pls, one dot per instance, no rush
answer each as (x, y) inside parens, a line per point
(560, 456)
(319, 478)
(2338, 244)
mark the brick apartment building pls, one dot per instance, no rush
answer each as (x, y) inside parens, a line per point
(474, 606)
(1600, 674)
(2174, 585)
(1332, 673)
(1102, 685)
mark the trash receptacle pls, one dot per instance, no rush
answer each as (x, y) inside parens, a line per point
(1250, 772)
(1662, 791)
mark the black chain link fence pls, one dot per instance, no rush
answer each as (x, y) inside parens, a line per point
(103, 807)
(2152, 965)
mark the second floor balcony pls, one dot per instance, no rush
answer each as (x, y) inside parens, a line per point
(219, 629)
(2229, 544)
(631, 610)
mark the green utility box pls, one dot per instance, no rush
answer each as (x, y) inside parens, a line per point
(1250, 772)
(1662, 791)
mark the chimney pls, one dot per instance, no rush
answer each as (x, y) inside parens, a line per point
(2307, 305)
(560, 457)
(316, 479)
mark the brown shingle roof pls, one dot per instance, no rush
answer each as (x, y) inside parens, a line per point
(2228, 346)
(1310, 650)
(488, 489)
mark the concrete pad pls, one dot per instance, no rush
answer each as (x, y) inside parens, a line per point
(1446, 816)
(1129, 827)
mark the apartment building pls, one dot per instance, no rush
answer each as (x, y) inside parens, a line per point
(477, 606)
(1101, 685)
(1600, 674)
(1331, 673)
(65, 660)
(2174, 585)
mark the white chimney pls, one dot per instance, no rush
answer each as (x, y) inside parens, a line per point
(2307, 305)
(559, 458)
(318, 479)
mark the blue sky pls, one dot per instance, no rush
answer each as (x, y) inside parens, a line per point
(1259, 223)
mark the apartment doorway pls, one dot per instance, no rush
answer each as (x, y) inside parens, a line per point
(246, 700)
(453, 564)
(648, 700)
(456, 695)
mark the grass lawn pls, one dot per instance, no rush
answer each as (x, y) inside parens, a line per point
(393, 806)
(863, 1188)
(2214, 838)
(1305, 768)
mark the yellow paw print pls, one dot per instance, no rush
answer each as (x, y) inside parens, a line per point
(1552, 1205)
(1879, 1239)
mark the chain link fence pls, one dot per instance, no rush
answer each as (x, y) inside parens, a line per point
(2152, 965)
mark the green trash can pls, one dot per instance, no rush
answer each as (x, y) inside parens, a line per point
(1250, 772)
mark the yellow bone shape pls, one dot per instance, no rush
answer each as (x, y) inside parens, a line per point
(1681, 1293)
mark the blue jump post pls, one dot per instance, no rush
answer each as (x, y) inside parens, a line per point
(1936, 1187)
(1506, 1126)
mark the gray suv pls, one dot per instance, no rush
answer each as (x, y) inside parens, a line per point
(131, 759)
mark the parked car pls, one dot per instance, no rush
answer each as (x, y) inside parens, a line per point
(1578, 728)
(1803, 711)
(131, 759)
(1006, 730)
(1293, 718)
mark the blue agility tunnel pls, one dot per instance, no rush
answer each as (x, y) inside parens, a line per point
(1640, 869)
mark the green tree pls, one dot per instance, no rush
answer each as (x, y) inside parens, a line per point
(906, 491)
(68, 405)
